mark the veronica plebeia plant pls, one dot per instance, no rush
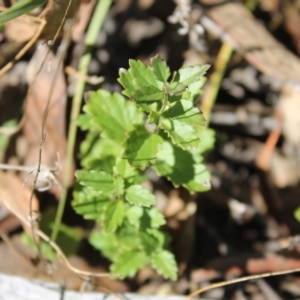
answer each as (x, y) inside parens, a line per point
(155, 125)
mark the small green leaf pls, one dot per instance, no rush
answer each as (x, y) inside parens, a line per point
(147, 94)
(119, 186)
(128, 263)
(176, 88)
(134, 215)
(97, 180)
(105, 242)
(89, 203)
(189, 75)
(113, 114)
(157, 219)
(165, 264)
(138, 195)
(143, 75)
(126, 79)
(113, 215)
(182, 168)
(160, 69)
(194, 89)
(185, 112)
(20, 8)
(183, 135)
(125, 169)
(141, 147)
(149, 242)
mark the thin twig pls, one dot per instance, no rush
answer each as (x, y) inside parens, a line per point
(241, 279)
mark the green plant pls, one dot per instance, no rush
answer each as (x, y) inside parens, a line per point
(160, 128)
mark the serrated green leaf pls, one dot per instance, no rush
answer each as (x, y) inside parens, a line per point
(84, 122)
(141, 147)
(194, 89)
(105, 242)
(148, 241)
(128, 263)
(128, 237)
(176, 88)
(160, 69)
(119, 186)
(134, 215)
(126, 79)
(125, 169)
(147, 94)
(97, 180)
(165, 264)
(183, 135)
(189, 75)
(113, 114)
(113, 215)
(143, 75)
(98, 153)
(140, 83)
(138, 195)
(185, 112)
(157, 219)
(142, 217)
(162, 238)
(207, 137)
(89, 203)
(181, 168)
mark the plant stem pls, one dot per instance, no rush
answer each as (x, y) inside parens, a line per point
(95, 25)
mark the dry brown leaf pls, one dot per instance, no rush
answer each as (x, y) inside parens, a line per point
(38, 95)
(21, 29)
(236, 25)
(16, 196)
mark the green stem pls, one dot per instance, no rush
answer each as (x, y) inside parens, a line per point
(95, 25)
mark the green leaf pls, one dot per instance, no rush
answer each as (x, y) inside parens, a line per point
(157, 219)
(142, 217)
(119, 186)
(189, 75)
(125, 169)
(113, 114)
(113, 215)
(134, 215)
(128, 263)
(143, 74)
(138, 195)
(180, 167)
(149, 242)
(183, 135)
(140, 83)
(141, 147)
(185, 112)
(99, 153)
(19, 9)
(160, 69)
(97, 180)
(176, 88)
(147, 94)
(165, 264)
(194, 90)
(107, 243)
(89, 203)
